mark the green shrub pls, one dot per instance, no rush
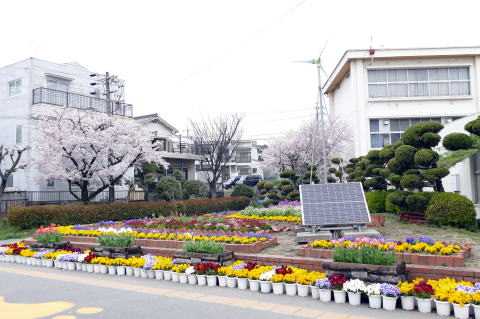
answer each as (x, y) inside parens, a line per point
(473, 127)
(286, 189)
(261, 197)
(434, 174)
(391, 207)
(414, 135)
(116, 240)
(411, 181)
(376, 201)
(194, 189)
(272, 195)
(285, 182)
(457, 141)
(405, 154)
(331, 179)
(430, 139)
(206, 247)
(394, 166)
(290, 174)
(268, 186)
(336, 160)
(49, 238)
(169, 188)
(416, 202)
(260, 185)
(294, 196)
(269, 202)
(332, 170)
(453, 210)
(34, 216)
(387, 153)
(243, 190)
(425, 157)
(364, 255)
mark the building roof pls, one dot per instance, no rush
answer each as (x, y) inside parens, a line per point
(154, 117)
(343, 66)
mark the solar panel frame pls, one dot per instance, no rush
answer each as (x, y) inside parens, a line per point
(340, 208)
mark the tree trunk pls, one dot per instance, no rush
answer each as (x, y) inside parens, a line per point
(85, 197)
(3, 185)
(439, 186)
(213, 189)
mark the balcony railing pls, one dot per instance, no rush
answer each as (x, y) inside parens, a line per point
(83, 102)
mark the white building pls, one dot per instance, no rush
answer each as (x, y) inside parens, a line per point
(380, 93)
(34, 86)
(176, 150)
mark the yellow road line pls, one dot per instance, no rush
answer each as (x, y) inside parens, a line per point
(230, 301)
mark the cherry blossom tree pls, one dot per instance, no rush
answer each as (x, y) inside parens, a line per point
(10, 162)
(90, 150)
(299, 148)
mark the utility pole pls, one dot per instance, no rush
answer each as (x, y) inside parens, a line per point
(322, 121)
(107, 94)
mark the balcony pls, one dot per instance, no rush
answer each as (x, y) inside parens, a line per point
(77, 101)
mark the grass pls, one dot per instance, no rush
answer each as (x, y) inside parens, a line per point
(8, 231)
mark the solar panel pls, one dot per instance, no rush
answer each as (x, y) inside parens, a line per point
(334, 204)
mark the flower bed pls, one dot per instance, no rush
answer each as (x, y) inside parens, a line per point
(266, 279)
(280, 213)
(422, 252)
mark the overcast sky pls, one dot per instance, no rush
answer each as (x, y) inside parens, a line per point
(183, 58)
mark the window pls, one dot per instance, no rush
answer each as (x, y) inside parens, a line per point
(243, 157)
(476, 172)
(10, 181)
(435, 82)
(15, 87)
(18, 134)
(57, 84)
(51, 183)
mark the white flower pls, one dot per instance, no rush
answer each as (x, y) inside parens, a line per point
(373, 289)
(267, 275)
(354, 285)
(190, 270)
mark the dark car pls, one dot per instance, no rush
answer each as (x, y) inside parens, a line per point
(232, 182)
(250, 180)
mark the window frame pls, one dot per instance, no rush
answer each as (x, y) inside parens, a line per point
(16, 87)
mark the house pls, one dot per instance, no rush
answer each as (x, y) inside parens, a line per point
(380, 93)
(176, 150)
(34, 86)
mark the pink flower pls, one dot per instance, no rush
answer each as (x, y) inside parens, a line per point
(391, 246)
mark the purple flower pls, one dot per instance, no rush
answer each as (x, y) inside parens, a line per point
(389, 290)
(239, 266)
(466, 289)
(323, 283)
(149, 261)
(410, 240)
(426, 240)
(477, 286)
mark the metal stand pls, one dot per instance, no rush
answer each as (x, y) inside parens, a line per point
(336, 231)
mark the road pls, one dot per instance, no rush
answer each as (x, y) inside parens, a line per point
(28, 292)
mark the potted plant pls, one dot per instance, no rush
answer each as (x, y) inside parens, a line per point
(253, 279)
(242, 280)
(390, 295)
(324, 289)
(423, 295)
(112, 270)
(211, 274)
(167, 270)
(222, 276)
(191, 276)
(231, 279)
(265, 283)
(182, 276)
(354, 289)
(407, 299)
(337, 281)
(441, 300)
(119, 264)
(374, 296)
(201, 270)
(303, 285)
(476, 302)
(277, 284)
(461, 304)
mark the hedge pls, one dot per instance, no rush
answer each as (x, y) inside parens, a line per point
(34, 216)
(376, 201)
(453, 210)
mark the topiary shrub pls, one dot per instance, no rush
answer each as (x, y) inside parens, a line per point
(285, 182)
(473, 127)
(430, 139)
(398, 198)
(273, 195)
(453, 210)
(243, 190)
(331, 179)
(287, 189)
(416, 203)
(260, 185)
(268, 186)
(411, 181)
(394, 166)
(405, 154)
(332, 170)
(376, 201)
(414, 134)
(457, 141)
(294, 196)
(270, 202)
(434, 174)
(168, 188)
(391, 207)
(194, 189)
(425, 157)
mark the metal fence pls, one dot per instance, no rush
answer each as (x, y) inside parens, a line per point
(30, 198)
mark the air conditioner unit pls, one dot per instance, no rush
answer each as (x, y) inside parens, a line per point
(386, 122)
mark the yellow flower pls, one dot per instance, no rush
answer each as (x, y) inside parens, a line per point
(459, 297)
(289, 279)
(241, 273)
(277, 278)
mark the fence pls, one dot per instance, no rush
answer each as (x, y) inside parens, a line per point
(30, 198)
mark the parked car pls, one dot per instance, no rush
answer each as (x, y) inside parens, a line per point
(232, 182)
(250, 180)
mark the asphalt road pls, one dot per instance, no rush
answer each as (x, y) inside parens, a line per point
(28, 292)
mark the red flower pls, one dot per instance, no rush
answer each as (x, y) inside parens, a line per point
(423, 288)
(337, 280)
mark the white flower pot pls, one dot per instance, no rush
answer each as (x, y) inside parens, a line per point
(408, 302)
(242, 283)
(315, 293)
(78, 266)
(265, 286)
(192, 279)
(443, 308)
(112, 270)
(389, 303)
(461, 312)
(424, 305)
(354, 298)
(255, 285)
(90, 268)
(143, 273)
(167, 275)
(136, 272)
(231, 282)
(70, 265)
(476, 311)
(84, 267)
(38, 262)
(158, 274)
(202, 280)
(65, 265)
(103, 269)
(291, 289)
(43, 262)
(121, 270)
(150, 274)
(129, 271)
(2, 258)
(340, 296)
(303, 290)
(96, 268)
(211, 281)
(222, 281)
(48, 263)
(182, 278)
(325, 295)
(29, 261)
(277, 288)
(375, 301)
